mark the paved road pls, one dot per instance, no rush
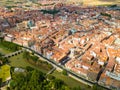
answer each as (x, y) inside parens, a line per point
(53, 69)
(69, 72)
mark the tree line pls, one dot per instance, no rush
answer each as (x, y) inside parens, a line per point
(33, 79)
(31, 58)
(3, 60)
(9, 45)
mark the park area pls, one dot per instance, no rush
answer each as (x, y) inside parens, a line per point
(19, 61)
(4, 50)
(8, 47)
(70, 81)
(5, 72)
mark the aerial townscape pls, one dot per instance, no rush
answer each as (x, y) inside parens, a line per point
(75, 37)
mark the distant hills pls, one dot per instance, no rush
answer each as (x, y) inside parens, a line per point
(94, 2)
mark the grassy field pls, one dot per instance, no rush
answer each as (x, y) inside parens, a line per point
(19, 61)
(70, 81)
(5, 72)
(3, 50)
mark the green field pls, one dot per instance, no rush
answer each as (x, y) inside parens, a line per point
(4, 50)
(70, 81)
(5, 72)
(19, 61)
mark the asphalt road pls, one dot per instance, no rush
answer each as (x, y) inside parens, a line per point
(68, 71)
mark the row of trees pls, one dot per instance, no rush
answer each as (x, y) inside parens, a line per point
(106, 14)
(3, 60)
(35, 80)
(10, 46)
(53, 12)
(31, 58)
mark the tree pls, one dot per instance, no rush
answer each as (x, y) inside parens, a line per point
(1, 39)
(8, 88)
(64, 72)
(57, 83)
(50, 77)
(35, 80)
(77, 88)
(31, 43)
(3, 60)
(0, 82)
(33, 52)
(9, 45)
(34, 58)
(26, 55)
(52, 12)
(96, 87)
(28, 68)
